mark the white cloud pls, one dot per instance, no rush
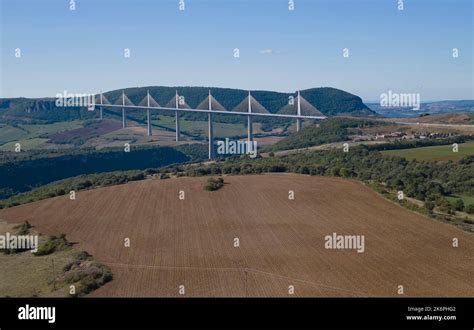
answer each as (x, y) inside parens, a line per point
(269, 51)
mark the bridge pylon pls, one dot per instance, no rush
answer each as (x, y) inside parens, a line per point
(248, 107)
(124, 122)
(123, 101)
(148, 119)
(178, 130)
(249, 121)
(148, 102)
(299, 121)
(100, 108)
(211, 128)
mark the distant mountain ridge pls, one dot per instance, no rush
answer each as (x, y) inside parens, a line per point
(434, 107)
(329, 101)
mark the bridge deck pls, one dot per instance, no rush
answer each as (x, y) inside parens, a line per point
(214, 111)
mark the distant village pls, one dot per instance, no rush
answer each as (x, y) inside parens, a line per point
(393, 136)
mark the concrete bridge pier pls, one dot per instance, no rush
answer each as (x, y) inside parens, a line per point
(124, 123)
(249, 121)
(148, 122)
(299, 121)
(178, 129)
(100, 108)
(211, 129)
(148, 119)
(211, 137)
(299, 124)
(249, 129)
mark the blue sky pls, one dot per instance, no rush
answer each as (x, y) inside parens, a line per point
(82, 50)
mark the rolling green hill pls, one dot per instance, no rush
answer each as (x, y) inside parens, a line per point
(329, 101)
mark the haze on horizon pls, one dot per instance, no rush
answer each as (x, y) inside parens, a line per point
(82, 50)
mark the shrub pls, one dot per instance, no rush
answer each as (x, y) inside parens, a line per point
(137, 177)
(83, 255)
(23, 229)
(444, 205)
(334, 171)
(60, 192)
(151, 171)
(53, 244)
(90, 275)
(343, 172)
(214, 184)
(429, 205)
(458, 205)
(469, 209)
(277, 168)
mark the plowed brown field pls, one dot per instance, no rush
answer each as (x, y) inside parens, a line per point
(190, 242)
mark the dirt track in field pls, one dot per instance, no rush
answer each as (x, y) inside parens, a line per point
(191, 242)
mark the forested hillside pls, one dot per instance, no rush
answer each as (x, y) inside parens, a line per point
(22, 173)
(328, 131)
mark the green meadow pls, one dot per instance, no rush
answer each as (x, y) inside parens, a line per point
(468, 200)
(200, 128)
(32, 136)
(434, 153)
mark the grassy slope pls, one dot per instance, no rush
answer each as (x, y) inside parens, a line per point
(26, 144)
(199, 128)
(32, 136)
(38, 130)
(52, 271)
(434, 153)
(10, 133)
(465, 198)
(26, 275)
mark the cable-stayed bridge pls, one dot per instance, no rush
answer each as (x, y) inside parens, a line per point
(249, 107)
